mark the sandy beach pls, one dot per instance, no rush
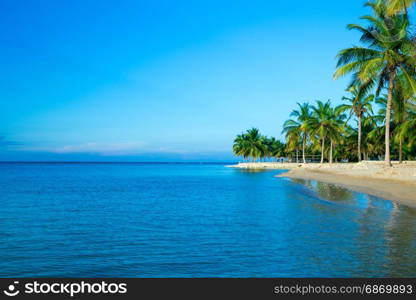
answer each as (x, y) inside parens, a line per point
(397, 183)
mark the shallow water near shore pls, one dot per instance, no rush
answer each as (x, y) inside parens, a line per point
(194, 220)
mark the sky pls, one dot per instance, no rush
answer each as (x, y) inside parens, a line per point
(96, 80)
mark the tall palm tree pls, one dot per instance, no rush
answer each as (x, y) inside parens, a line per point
(358, 104)
(319, 121)
(402, 104)
(335, 128)
(389, 52)
(302, 115)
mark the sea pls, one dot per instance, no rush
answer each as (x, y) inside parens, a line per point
(194, 220)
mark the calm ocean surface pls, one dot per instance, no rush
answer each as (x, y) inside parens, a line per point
(193, 220)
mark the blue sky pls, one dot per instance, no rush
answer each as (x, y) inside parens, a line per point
(161, 80)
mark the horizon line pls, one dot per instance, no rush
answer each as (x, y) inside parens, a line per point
(118, 162)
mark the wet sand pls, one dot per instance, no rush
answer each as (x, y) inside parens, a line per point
(397, 183)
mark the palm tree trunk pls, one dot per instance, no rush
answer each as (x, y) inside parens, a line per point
(303, 148)
(322, 150)
(297, 155)
(388, 117)
(401, 150)
(359, 139)
(330, 152)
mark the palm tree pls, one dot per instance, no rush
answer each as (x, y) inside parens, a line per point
(239, 146)
(336, 128)
(328, 123)
(302, 115)
(358, 104)
(402, 104)
(317, 122)
(389, 52)
(250, 145)
(293, 137)
(275, 148)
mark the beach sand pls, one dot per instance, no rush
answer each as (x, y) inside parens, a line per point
(397, 183)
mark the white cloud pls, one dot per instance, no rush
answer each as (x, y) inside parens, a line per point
(121, 148)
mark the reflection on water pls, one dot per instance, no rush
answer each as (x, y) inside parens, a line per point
(389, 227)
(401, 236)
(327, 191)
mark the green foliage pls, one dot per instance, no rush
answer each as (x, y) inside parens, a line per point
(385, 125)
(389, 53)
(252, 145)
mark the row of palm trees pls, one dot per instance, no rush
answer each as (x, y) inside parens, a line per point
(255, 146)
(383, 73)
(325, 129)
(317, 124)
(312, 126)
(386, 61)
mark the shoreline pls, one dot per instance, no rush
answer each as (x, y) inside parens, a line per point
(396, 184)
(265, 165)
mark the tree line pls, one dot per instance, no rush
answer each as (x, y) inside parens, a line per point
(377, 119)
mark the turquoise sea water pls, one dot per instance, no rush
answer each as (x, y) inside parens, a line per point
(193, 220)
